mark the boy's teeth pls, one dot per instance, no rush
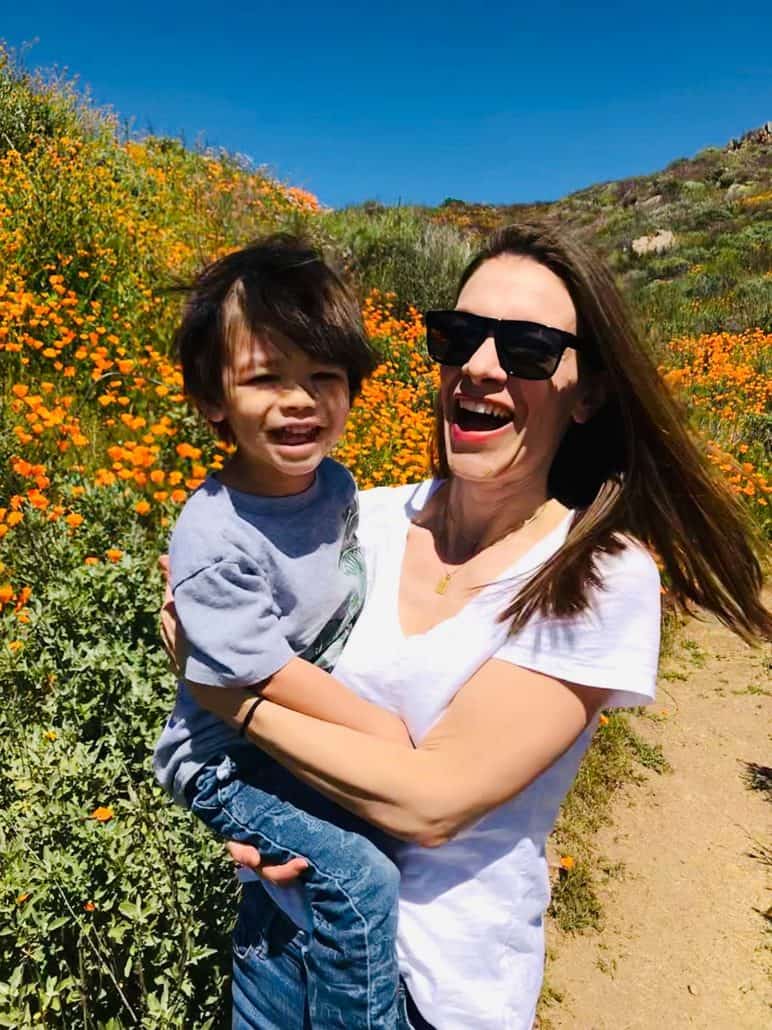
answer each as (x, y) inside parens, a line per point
(297, 433)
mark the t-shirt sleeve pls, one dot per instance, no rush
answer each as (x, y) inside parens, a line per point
(613, 645)
(231, 625)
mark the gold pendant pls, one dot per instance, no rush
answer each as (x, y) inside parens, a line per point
(443, 583)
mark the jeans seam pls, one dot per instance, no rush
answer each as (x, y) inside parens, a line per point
(343, 891)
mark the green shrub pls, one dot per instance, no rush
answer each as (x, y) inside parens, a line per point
(34, 107)
(398, 250)
(121, 920)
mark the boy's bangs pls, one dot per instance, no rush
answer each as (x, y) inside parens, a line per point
(319, 317)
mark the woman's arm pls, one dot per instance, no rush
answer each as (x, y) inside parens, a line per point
(305, 688)
(502, 729)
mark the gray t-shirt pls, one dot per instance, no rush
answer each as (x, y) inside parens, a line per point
(256, 581)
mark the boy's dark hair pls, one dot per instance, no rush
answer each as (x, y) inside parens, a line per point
(279, 283)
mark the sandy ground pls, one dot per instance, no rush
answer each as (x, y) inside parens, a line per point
(683, 943)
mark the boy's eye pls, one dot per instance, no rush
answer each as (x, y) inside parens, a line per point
(330, 373)
(263, 377)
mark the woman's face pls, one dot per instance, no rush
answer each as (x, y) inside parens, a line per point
(517, 436)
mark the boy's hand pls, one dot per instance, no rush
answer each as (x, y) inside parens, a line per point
(171, 632)
(248, 857)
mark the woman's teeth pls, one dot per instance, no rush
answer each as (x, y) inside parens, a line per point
(483, 408)
(480, 415)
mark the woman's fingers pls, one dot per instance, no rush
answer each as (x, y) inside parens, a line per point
(244, 854)
(249, 857)
(163, 563)
(171, 634)
(281, 875)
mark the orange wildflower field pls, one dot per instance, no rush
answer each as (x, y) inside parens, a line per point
(89, 409)
(726, 381)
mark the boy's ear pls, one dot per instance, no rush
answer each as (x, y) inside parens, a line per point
(592, 396)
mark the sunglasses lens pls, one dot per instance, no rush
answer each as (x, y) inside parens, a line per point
(528, 351)
(452, 337)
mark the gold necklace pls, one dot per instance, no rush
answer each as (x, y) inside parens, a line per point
(444, 581)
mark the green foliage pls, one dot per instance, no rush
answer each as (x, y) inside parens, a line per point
(33, 107)
(119, 922)
(398, 251)
(575, 905)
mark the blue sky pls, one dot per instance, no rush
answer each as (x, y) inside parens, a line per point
(415, 102)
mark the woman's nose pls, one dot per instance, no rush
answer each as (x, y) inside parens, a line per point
(484, 364)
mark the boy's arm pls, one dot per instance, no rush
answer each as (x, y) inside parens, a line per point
(326, 698)
(313, 692)
(233, 639)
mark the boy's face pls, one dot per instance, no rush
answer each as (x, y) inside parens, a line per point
(285, 409)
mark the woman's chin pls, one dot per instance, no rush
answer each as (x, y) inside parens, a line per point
(476, 467)
(481, 456)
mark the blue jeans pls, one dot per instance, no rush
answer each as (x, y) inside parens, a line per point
(351, 888)
(270, 972)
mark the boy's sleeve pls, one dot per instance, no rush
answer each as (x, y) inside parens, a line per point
(231, 624)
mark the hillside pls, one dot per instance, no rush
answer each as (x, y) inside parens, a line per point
(699, 231)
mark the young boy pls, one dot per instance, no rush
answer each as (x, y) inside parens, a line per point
(266, 570)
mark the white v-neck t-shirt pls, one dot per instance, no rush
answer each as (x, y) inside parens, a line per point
(470, 937)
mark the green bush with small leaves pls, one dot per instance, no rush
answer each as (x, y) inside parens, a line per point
(117, 905)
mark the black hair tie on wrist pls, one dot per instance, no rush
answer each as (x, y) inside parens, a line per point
(248, 716)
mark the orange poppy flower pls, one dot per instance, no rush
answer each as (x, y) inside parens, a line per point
(102, 814)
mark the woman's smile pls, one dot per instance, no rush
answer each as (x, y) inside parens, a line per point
(475, 420)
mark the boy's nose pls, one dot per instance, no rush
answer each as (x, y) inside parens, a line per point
(299, 398)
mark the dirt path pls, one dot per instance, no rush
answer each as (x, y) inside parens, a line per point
(683, 941)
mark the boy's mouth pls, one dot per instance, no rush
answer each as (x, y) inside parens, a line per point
(295, 436)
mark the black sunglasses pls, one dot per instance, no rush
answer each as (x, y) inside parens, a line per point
(527, 350)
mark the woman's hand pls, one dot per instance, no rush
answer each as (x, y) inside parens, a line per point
(171, 634)
(248, 857)
(230, 704)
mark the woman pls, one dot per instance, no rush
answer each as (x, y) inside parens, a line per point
(511, 598)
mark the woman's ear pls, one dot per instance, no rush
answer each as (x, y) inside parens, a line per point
(211, 412)
(593, 390)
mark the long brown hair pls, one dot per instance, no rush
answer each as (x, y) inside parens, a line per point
(633, 468)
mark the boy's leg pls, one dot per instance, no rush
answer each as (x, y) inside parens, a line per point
(269, 976)
(352, 891)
